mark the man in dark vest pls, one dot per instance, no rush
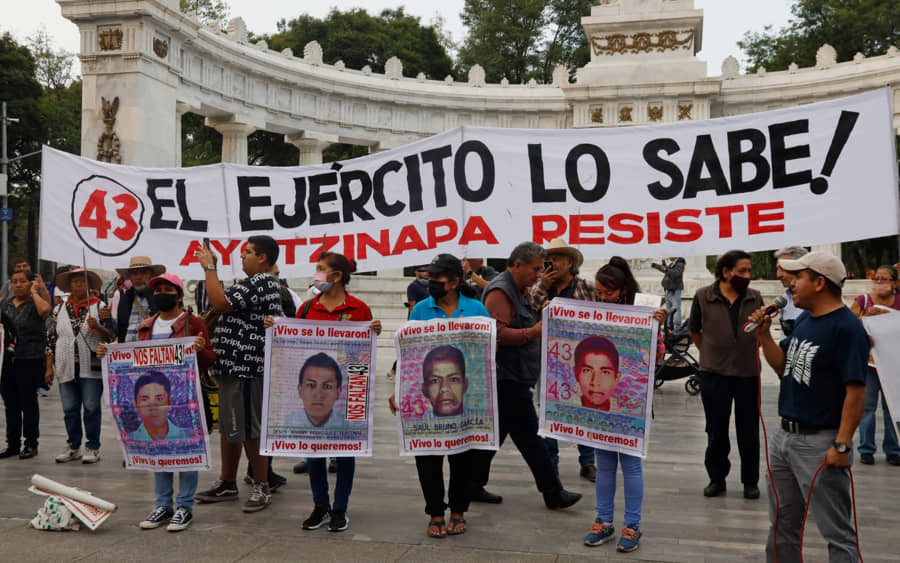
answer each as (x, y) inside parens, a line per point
(135, 303)
(518, 370)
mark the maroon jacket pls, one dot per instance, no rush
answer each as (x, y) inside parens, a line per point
(205, 357)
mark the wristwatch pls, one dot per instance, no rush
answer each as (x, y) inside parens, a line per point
(841, 447)
(210, 267)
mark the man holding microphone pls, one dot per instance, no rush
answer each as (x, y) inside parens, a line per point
(823, 372)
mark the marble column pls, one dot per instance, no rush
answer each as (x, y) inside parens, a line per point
(234, 139)
(310, 148)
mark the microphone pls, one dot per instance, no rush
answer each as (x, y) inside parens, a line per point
(777, 304)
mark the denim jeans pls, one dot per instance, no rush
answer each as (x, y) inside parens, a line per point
(163, 488)
(77, 394)
(632, 475)
(585, 453)
(673, 304)
(867, 424)
(318, 481)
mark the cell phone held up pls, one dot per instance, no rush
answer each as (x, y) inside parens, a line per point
(548, 266)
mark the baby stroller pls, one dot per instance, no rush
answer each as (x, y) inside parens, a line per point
(677, 362)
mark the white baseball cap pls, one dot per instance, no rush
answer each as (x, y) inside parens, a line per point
(819, 262)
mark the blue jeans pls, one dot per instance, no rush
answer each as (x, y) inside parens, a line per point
(867, 424)
(673, 304)
(318, 481)
(632, 475)
(585, 453)
(163, 488)
(77, 394)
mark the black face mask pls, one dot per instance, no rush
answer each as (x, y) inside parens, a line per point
(436, 289)
(165, 301)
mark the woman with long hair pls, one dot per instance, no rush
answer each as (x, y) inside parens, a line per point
(615, 283)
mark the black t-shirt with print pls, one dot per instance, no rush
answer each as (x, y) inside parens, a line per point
(239, 338)
(822, 356)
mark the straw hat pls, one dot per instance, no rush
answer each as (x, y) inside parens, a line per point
(559, 246)
(64, 279)
(139, 262)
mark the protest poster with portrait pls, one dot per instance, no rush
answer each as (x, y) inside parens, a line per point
(153, 390)
(446, 386)
(319, 389)
(885, 331)
(597, 368)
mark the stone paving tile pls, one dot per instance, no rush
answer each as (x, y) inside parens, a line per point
(387, 509)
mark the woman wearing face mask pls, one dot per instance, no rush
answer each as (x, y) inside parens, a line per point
(615, 284)
(173, 321)
(450, 298)
(728, 370)
(333, 303)
(879, 301)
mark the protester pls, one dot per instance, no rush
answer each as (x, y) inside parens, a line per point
(728, 370)
(823, 373)
(417, 290)
(239, 339)
(560, 279)
(879, 301)
(789, 313)
(518, 370)
(478, 274)
(615, 283)
(171, 321)
(450, 298)
(135, 304)
(26, 310)
(333, 303)
(673, 283)
(22, 264)
(75, 332)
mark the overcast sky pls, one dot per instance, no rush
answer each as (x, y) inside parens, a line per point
(724, 21)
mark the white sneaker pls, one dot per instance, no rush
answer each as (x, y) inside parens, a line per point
(91, 456)
(69, 455)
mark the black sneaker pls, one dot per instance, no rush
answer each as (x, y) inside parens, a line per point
(867, 459)
(28, 452)
(9, 452)
(320, 515)
(332, 466)
(276, 481)
(181, 520)
(221, 490)
(157, 518)
(301, 467)
(561, 499)
(339, 521)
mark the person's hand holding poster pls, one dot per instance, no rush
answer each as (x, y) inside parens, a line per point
(597, 374)
(153, 390)
(318, 389)
(446, 386)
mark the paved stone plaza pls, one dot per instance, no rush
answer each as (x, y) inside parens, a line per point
(386, 508)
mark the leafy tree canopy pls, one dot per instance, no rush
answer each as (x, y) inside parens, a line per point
(850, 26)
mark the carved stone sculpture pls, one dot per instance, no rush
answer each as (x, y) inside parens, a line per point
(108, 143)
(111, 39)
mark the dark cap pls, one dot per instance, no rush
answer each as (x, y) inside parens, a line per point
(423, 268)
(446, 264)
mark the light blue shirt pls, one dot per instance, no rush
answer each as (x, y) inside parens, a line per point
(175, 433)
(429, 309)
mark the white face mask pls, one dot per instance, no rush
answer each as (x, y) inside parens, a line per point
(320, 283)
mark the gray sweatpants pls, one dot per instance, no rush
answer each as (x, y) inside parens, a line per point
(794, 459)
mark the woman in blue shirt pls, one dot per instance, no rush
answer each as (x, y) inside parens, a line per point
(450, 297)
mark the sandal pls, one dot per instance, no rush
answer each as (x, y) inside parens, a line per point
(437, 529)
(457, 526)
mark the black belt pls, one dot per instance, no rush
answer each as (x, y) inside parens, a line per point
(795, 427)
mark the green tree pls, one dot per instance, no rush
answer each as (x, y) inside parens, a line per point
(850, 26)
(208, 11)
(523, 39)
(359, 39)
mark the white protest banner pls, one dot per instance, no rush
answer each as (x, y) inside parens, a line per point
(885, 332)
(597, 368)
(446, 386)
(153, 390)
(803, 174)
(319, 389)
